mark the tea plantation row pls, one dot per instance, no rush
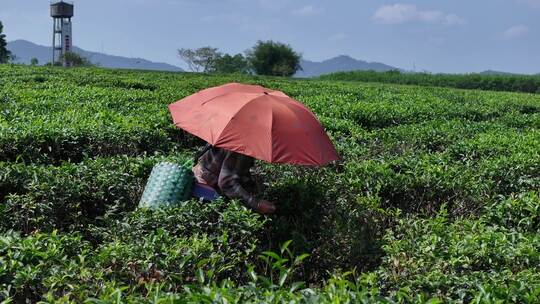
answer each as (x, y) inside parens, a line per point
(435, 199)
(508, 82)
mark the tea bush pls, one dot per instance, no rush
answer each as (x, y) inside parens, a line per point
(71, 195)
(493, 258)
(77, 145)
(172, 247)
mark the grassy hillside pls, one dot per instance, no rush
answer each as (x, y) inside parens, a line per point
(436, 196)
(509, 83)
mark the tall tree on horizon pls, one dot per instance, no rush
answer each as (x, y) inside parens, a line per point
(5, 54)
(274, 59)
(200, 60)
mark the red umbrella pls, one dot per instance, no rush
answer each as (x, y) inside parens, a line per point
(255, 121)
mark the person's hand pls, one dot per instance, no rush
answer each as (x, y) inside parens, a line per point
(265, 207)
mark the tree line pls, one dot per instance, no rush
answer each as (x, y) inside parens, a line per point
(265, 58)
(511, 83)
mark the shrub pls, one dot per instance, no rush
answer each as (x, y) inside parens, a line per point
(75, 60)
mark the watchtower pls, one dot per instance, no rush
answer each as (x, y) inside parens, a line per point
(61, 12)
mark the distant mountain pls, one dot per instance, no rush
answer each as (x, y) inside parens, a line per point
(339, 64)
(492, 72)
(26, 50)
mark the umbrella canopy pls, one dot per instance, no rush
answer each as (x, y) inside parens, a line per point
(255, 121)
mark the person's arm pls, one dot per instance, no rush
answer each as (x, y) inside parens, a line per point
(229, 182)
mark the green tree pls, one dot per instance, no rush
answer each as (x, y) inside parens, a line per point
(34, 61)
(75, 60)
(273, 58)
(228, 64)
(201, 59)
(5, 54)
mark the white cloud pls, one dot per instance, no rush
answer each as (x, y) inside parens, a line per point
(308, 10)
(394, 14)
(401, 13)
(338, 37)
(515, 31)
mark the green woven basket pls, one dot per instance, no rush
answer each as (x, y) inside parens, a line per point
(168, 185)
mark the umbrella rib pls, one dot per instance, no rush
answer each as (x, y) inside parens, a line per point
(208, 100)
(272, 136)
(302, 107)
(234, 116)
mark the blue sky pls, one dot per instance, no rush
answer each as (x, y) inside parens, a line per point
(438, 36)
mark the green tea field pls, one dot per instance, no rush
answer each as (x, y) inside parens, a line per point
(436, 198)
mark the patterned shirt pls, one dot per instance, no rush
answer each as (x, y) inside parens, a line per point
(227, 171)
